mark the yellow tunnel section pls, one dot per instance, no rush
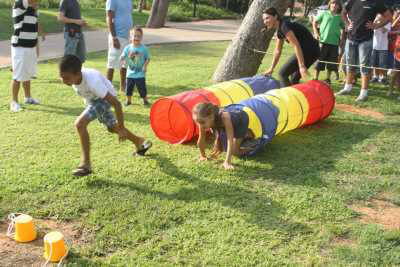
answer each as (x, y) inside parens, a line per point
(293, 108)
(231, 92)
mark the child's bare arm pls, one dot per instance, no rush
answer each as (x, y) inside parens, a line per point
(201, 143)
(226, 119)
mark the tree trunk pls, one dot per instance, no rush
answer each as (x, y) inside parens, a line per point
(240, 60)
(141, 5)
(158, 14)
(194, 8)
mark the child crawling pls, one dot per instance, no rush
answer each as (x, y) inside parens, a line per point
(231, 122)
(100, 96)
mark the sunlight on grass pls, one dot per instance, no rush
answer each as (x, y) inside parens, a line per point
(283, 207)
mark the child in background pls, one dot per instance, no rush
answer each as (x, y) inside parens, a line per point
(393, 41)
(23, 50)
(380, 53)
(330, 33)
(100, 96)
(136, 57)
(234, 122)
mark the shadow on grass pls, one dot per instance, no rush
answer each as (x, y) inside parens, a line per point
(303, 156)
(76, 111)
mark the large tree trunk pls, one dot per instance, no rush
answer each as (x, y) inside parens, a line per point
(158, 14)
(240, 60)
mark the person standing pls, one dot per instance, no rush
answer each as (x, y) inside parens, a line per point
(359, 16)
(119, 20)
(23, 50)
(330, 35)
(70, 15)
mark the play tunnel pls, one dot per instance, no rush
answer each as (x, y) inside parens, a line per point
(281, 110)
(171, 117)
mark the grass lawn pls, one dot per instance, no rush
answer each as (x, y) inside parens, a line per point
(95, 17)
(290, 205)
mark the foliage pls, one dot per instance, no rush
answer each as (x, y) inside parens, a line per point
(184, 12)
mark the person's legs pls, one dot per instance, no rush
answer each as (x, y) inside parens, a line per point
(332, 57)
(70, 45)
(351, 54)
(122, 83)
(365, 49)
(81, 126)
(27, 89)
(130, 85)
(142, 88)
(323, 57)
(290, 67)
(15, 90)
(81, 47)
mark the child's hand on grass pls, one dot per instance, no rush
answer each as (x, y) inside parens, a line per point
(228, 166)
(203, 158)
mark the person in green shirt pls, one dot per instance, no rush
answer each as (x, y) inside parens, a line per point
(330, 34)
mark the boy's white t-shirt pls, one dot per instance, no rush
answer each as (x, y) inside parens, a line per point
(381, 38)
(93, 86)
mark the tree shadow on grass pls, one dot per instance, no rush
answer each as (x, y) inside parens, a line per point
(76, 111)
(304, 155)
(260, 210)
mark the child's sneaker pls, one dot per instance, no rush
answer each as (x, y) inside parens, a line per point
(383, 80)
(344, 91)
(362, 98)
(144, 147)
(31, 101)
(15, 107)
(374, 80)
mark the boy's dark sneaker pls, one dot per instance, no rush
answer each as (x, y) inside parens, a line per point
(144, 147)
(127, 103)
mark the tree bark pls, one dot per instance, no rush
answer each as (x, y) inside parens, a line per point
(240, 60)
(141, 5)
(158, 14)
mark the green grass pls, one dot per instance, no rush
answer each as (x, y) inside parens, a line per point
(48, 19)
(283, 207)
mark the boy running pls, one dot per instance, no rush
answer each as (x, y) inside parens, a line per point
(99, 95)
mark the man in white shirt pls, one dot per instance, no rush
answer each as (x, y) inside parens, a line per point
(100, 96)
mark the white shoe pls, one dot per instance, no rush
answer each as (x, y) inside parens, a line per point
(31, 101)
(15, 107)
(361, 98)
(343, 92)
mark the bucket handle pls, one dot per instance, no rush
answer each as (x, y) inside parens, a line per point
(11, 217)
(68, 245)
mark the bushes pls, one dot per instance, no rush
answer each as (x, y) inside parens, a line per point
(183, 11)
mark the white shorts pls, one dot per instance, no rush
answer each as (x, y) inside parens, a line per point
(114, 54)
(24, 61)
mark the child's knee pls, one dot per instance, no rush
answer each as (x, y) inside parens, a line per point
(81, 123)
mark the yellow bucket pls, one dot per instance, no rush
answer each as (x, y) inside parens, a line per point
(54, 247)
(24, 228)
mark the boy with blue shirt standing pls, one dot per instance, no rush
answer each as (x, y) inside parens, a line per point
(119, 20)
(136, 58)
